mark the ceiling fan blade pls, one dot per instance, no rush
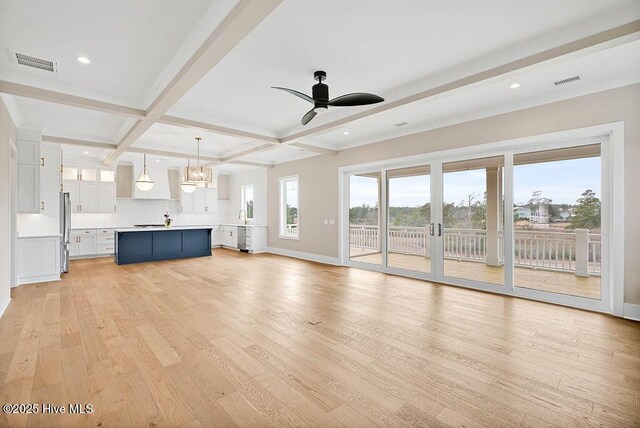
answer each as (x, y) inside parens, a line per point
(296, 93)
(355, 99)
(308, 116)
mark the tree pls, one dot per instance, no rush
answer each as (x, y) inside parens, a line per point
(587, 214)
(292, 215)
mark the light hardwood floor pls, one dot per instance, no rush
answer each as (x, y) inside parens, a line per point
(263, 340)
(525, 277)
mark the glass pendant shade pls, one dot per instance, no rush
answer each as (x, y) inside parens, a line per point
(144, 181)
(188, 187)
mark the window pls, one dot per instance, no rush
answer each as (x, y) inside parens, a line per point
(247, 200)
(289, 208)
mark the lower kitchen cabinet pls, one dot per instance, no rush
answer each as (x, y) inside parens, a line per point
(91, 243)
(38, 259)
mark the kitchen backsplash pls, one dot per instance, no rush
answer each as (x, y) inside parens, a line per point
(137, 211)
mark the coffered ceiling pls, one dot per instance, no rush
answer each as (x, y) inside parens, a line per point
(213, 62)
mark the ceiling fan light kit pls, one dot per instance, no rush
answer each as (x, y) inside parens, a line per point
(321, 101)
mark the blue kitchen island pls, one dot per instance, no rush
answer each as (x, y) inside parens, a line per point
(138, 245)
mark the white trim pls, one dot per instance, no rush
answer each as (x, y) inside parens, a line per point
(282, 211)
(616, 216)
(304, 256)
(36, 279)
(12, 108)
(4, 306)
(632, 311)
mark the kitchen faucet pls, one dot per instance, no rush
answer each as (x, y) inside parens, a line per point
(240, 216)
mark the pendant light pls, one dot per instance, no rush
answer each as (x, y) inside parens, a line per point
(199, 175)
(144, 181)
(188, 186)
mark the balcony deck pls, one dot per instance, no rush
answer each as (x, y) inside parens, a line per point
(545, 280)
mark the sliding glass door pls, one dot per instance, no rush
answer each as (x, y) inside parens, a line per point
(409, 218)
(528, 220)
(473, 219)
(557, 216)
(365, 221)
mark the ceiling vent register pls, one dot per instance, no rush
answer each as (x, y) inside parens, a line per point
(35, 62)
(567, 80)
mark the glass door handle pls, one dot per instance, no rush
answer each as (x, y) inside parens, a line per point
(432, 229)
(439, 229)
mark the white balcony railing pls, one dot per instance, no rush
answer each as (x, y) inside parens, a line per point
(577, 251)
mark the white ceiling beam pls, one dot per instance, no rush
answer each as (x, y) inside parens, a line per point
(216, 129)
(69, 100)
(74, 142)
(604, 40)
(314, 149)
(242, 19)
(214, 160)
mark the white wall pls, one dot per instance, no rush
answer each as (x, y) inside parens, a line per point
(257, 177)
(7, 133)
(142, 211)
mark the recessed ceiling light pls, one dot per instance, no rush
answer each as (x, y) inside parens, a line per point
(157, 160)
(84, 59)
(515, 85)
(345, 133)
(85, 152)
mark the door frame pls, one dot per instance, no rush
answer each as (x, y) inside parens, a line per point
(612, 159)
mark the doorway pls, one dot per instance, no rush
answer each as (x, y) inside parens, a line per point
(527, 218)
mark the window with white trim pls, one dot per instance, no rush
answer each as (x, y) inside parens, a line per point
(246, 199)
(289, 207)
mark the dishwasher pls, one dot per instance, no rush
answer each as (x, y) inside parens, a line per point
(242, 238)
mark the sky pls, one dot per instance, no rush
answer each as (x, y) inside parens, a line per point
(561, 181)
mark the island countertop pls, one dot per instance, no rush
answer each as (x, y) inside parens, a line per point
(159, 229)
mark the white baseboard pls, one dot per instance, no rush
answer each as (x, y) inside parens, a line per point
(305, 256)
(4, 305)
(36, 279)
(632, 311)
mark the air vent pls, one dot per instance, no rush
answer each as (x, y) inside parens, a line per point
(400, 124)
(567, 80)
(34, 62)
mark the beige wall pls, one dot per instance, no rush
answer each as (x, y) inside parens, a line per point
(319, 175)
(7, 132)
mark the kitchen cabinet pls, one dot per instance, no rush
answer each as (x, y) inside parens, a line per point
(186, 201)
(229, 236)
(106, 197)
(28, 174)
(50, 181)
(38, 259)
(215, 236)
(91, 242)
(90, 190)
(84, 242)
(106, 241)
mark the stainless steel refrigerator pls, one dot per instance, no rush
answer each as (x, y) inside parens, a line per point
(65, 230)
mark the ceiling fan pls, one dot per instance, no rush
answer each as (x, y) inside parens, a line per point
(321, 99)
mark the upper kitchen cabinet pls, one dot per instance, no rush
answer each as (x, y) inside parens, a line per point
(91, 190)
(202, 200)
(29, 164)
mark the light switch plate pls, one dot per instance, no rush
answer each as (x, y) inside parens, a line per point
(326, 221)
(332, 221)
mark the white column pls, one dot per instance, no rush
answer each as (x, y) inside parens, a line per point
(582, 252)
(494, 215)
